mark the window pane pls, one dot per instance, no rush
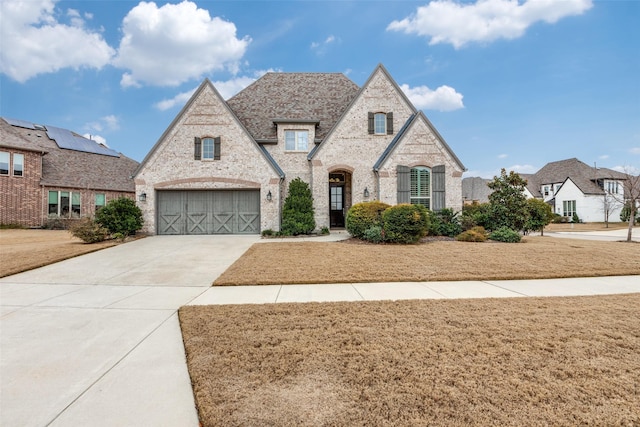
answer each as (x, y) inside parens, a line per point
(207, 148)
(4, 163)
(65, 206)
(302, 140)
(289, 140)
(380, 123)
(53, 202)
(75, 203)
(421, 187)
(18, 164)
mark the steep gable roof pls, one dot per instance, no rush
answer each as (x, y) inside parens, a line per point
(401, 133)
(71, 168)
(582, 175)
(380, 68)
(204, 85)
(320, 97)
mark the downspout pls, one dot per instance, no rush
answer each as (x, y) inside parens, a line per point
(375, 172)
(280, 203)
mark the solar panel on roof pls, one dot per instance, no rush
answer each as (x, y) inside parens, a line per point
(70, 141)
(19, 123)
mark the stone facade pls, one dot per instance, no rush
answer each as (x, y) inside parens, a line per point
(171, 164)
(254, 156)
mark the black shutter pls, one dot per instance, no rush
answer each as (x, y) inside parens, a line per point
(371, 125)
(438, 187)
(404, 184)
(216, 148)
(197, 148)
(389, 123)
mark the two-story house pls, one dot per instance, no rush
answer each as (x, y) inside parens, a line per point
(47, 172)
(224, 166)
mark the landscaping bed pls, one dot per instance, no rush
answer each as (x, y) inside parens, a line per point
(345, 262)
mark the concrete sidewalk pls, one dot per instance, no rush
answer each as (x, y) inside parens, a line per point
(418, 290)
(95, 340)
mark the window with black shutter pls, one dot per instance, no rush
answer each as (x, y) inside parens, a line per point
(197, 148)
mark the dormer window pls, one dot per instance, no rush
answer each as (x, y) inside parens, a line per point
(381, 123)
(296, 140)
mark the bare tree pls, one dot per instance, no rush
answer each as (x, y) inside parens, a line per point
(632, 195)
(609, 205)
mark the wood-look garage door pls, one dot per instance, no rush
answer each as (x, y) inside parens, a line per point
(209, 212)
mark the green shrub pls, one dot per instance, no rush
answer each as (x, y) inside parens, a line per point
(297, 212)
(324, 231)
(374, 234)
(267, 232)
(575, 219)
(444, 222)
(475, 234)
(625, 214)
(505, 234)
(120, 216)
(475, 214)
(362, 216)
(88, 230)
(12, 226)
(405, 223)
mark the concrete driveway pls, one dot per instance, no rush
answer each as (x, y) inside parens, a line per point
(95, 340)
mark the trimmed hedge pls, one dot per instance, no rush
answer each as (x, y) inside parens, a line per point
(405, 223)
(121, 217)
(361, 217)
(88, 230)
(505, 234)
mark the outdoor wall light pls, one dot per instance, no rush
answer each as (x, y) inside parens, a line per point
(366, 192)
(269, 196)
(142, 197)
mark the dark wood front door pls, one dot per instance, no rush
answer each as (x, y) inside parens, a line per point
(336, 201)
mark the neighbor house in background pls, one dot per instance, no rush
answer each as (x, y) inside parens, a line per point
(48, 172)
(569, 186)
(573, 187)
(225, 166)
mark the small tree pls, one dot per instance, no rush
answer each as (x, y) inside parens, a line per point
(120, 216)
(540, 214)
(297, 213)
(508, 204)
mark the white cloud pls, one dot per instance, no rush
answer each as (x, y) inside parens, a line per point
(226, 89)
(108, 123)
(444, 98)
(635, 150)
(627, 169)
(522, 169)
(604, 157)
(35, 42)
(446, 21)
(321, 47)
(96, 138)
(174, 43)
(503, 156)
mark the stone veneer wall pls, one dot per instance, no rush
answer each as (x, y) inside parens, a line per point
(242, 165)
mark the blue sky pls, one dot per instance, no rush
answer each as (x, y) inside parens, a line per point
(512, 84)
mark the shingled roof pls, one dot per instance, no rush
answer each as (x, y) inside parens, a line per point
(583, 176)
(317, 97)
(70, 168)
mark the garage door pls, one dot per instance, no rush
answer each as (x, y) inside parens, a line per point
(209, 212)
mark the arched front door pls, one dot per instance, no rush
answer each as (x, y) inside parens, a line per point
(339, 197)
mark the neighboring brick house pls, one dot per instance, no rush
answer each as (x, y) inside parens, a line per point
(48, 172)
(225, 167)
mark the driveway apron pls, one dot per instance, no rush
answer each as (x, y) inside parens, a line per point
(95, 340)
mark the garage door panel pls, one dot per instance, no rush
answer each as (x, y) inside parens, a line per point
(208, 212)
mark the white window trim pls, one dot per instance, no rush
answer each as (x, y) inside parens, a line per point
(13, 165)
(59, 204)
(296, 133)
(419, 200)
(384, 123)
(8, 163)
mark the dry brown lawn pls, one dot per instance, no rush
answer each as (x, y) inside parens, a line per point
(348, 261)
(22, 250)
(513, 362)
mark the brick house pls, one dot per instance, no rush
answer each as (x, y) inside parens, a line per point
(225, 166)
(48, 172)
